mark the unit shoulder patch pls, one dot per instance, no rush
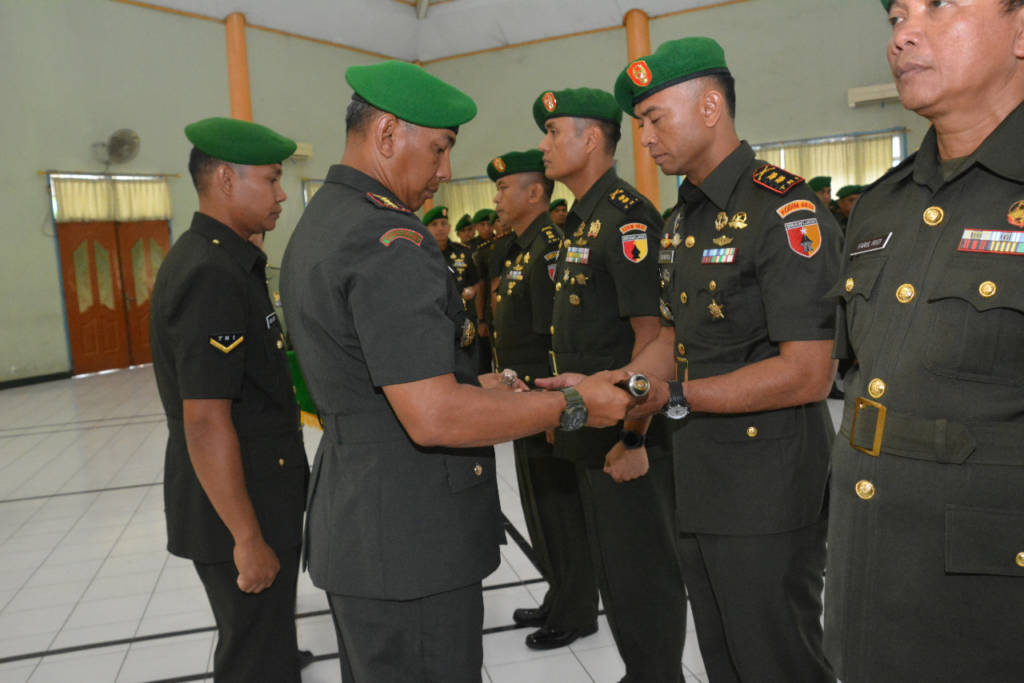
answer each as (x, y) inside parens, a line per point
(401, 234)
(778, 180)
(623, 199)
(382, 202)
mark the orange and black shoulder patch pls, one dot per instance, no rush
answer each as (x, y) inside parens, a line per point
(778, 180)
(382, 202)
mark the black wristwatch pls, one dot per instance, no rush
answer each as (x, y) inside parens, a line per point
(575, 414)
(632, 439)
(677, 408)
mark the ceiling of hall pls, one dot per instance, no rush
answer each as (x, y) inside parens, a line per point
(451, 27)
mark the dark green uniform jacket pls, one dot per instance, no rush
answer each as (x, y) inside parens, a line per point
(371, 303)
(607, 273)
(747, 259)
(522, 319)
(925, 573)
(464, 270)
(215, 335)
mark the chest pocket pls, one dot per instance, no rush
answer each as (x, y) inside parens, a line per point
(976, 320)
(858, 289)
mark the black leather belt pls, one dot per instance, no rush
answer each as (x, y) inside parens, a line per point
(873, 429)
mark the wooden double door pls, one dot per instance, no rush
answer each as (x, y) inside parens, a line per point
(108, 271)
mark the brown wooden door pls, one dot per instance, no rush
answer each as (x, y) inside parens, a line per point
(93, 296)
(142, 247)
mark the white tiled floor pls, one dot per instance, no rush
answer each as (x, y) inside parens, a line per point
(89, 593)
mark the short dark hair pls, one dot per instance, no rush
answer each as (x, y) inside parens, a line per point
(727, 84)
(200, 166)
(546, 184)
(359, 114)
(611, 132)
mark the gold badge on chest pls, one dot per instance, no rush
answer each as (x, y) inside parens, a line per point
(595, 228)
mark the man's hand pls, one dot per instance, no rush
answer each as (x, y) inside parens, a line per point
(483, 330)
(468, 293)
(493, 380)
(566, 379)
(606, 403)
(257, 565)
(656, 399)
(622, 464)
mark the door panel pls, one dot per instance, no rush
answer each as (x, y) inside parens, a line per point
(142, 246)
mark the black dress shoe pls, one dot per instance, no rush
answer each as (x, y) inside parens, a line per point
(305, 659)
(530, 616)
(548, 638)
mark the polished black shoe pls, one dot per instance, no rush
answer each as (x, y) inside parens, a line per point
(530, 616)
(548, 639)
(305, 659)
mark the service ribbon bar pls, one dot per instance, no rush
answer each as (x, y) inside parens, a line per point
(992, 241)
(726, 255)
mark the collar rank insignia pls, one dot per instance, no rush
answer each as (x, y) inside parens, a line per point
(1016, 214)
(383, 202)
(226, 343)
(623, 199)
(804, 236)
(401, 234)
(776, 179)
(992, 241)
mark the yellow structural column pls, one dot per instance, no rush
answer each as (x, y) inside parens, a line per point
(238, 67)
(638, 44)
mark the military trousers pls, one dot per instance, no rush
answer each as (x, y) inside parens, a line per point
(756, 603)
(632, 534)
(256, 638)
(434, 639)
(550, 495)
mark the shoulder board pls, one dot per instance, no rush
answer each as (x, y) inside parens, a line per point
(623, 199)
(401, 234)
(778, 180)
(382, 202)
(551, 234)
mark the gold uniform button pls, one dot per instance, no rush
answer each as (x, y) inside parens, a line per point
(558, 286)
(280, 344)
(280, 461)
(752, 431)
(865, 489)
(552, 329)
(508, 263)
(572, 281)
(682, 350)
(498, 298)
(568, 242)
(478, 469)
(849, 284)
(682, 297)
(1020, 559)
(876, 388)
(933, 215)
(987, 289)
(906, 293)
(574, 300)
(216, 241)
(712, 286)
(527, 379)
(690, 241)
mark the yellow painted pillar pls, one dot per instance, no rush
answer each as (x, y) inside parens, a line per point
(238, 67)
(638, 44)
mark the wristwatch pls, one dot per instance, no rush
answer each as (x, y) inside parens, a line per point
(677, 408)
(632, 439)
(575, 414)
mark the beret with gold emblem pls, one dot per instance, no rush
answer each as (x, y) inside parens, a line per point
(411, 94)
(434, 214)
(239, 142)
(464, 222)
(509, 163)
(819, 182)
(587, 103)
(673, 62)
(557, 203)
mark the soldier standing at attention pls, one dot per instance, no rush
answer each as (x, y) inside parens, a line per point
(746, 258)
(460, 263)
(605, 311)
(403, 520)
(559, 210)
(522, 339)
(925, 574)
(235, 472)
(822, 186)
(466, 233)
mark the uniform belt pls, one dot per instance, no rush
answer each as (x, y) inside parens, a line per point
(873, 429)
(586, 363)
(362, 427)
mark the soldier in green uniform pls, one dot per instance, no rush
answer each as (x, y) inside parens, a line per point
(522, 338)
(822, 186)
(461, 265)
(846, 198)
(235, 471)
(925, 576)
(403, 520)
(746, 259)
(483, 256)
(466, 233)
(559, 210)
(605, 310)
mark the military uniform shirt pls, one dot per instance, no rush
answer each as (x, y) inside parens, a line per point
(746, 260)
(464, 270)
(215, 335)
(925, 566)
(522, 317)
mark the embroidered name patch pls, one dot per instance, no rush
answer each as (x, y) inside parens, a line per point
(577, 255)
(226, 343)
(401, 234)
(726, 255)
(871, 244)
(804, 237)
(795, 205)
(271, 320)
(992, 242)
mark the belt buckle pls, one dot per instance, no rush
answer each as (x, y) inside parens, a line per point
(876, 446)
(554, 363)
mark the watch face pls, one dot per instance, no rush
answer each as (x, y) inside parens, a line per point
(632, 439)
(573, 418)
(676, 412)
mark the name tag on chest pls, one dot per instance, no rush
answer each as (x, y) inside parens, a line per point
(271, 320)
(871, 244)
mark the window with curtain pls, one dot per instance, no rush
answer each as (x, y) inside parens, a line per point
(79, 197)
(856, 159)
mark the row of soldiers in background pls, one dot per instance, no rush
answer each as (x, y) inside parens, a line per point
(845, 199)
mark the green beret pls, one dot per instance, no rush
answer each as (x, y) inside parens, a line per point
(481, 216)
(818, 183)
(557, 203)
(673, 62)
(885, 4)
(434, 214)
(464, 222)
(847, 190)
(509, 163)
(239, 142)
(411, 94)
(667, 212)
(588, 103)
(493, 217)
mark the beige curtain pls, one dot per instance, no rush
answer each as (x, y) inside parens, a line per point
(850, 161)
(81, 197)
